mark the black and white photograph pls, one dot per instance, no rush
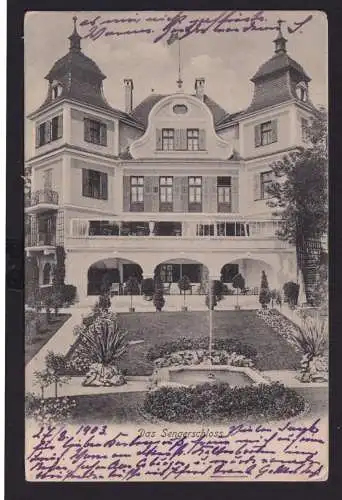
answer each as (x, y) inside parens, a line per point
(176, 246)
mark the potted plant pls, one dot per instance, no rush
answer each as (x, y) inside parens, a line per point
(265, 294)
(158, 296)
(238, 283)
(132, 287)
(184, 284)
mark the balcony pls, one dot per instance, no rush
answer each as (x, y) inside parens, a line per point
(231, 234)
(40, 241)
(42, 200)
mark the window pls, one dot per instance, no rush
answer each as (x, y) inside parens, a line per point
(266, 133)
(166, 273)
(57, 91)
(195, 194)
(224, 194)
(305, 130)
(47, 178)
(56, 127)
(95, 184)
(49, 131)
(205, 230)
(166, 193)
(137, 191)
(95, 132)
(46, 274)
(266, 179)
(168, 137)
(192, 135)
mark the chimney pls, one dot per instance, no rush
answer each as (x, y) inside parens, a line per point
(128, 83)
(199, 88)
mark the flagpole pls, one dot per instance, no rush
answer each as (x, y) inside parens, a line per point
(180, 81)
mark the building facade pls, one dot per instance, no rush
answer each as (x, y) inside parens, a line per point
(174, 186)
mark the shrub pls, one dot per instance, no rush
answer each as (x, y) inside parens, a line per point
(291, 293)
(264, 294)
(104, 302)
(55, 370)
(132, 288)
(147, 287)
(211, 297)
(184, 284)
(69, 294)
(188, 343)
(219, 401)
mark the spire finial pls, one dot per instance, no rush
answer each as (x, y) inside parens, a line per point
(75, 39)
(280, 41)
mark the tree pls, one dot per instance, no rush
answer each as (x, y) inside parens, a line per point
(43, 380)
(238, 283)
(265, 294)
(299, 194)
(132, 287)
(158, 296)
(184, 284)
(55, 368)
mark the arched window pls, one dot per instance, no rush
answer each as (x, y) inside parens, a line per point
(46, 274)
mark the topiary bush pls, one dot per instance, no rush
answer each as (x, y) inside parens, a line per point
(219, 401)
(265, 294)
(188, 343)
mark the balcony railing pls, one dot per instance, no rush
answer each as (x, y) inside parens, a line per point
(42, 197)
(84, 228)
(40, 240)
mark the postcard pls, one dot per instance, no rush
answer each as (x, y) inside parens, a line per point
(176, 257)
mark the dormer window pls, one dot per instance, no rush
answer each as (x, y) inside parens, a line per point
(56, 90)
(302, 91)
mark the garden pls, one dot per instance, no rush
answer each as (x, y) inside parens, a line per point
(110, 347)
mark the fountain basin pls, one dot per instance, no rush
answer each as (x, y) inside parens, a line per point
(184, 376)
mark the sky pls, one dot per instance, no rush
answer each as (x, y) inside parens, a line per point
(227, 61)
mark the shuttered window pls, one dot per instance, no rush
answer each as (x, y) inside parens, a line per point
(195, 194)
(95, 184)
(265, 133)
(137, 194)
(95, 132)
(192, 137)
(56, 127)
(168, 138)
(49, 131)
(266, 179)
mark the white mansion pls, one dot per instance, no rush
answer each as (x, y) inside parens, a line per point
(175, 185)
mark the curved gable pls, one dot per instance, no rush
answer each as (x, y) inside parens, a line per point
(180, 113)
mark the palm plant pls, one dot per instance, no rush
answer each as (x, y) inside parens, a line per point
(312, 340)
(102, 342)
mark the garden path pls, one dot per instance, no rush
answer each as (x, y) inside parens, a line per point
(140, 384)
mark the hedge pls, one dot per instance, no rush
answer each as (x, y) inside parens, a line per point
(217, 401)
(188, 343)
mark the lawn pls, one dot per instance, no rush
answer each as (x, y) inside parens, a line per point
(274, 353)
(33, 345)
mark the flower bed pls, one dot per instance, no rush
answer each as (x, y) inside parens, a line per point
(195, 357)
(49, 410)
(185, 344)
(280, 324)
(217, 402)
